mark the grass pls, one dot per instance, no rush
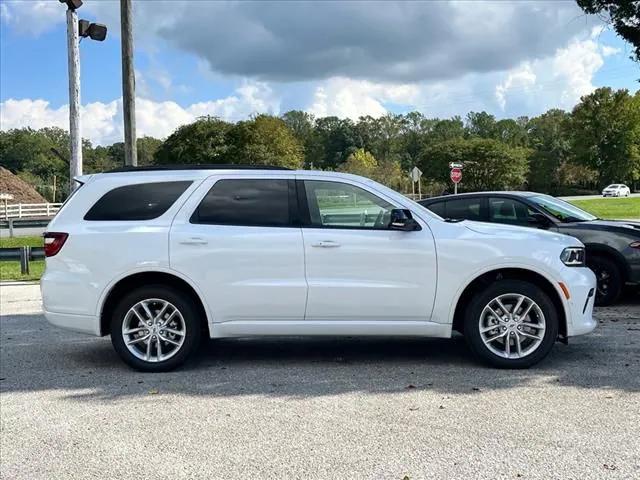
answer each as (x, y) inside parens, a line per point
(11, 270)
(21, 242)
(611, 208)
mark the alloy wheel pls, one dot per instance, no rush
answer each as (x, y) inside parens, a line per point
(512, 325)
(154, 330)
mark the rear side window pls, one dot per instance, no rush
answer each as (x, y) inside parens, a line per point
(142, 201)
(464, 209)
(251, 203)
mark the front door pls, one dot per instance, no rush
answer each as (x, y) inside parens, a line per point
(356, 267)
(237, 240)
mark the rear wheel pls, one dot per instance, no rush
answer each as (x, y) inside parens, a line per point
(511, 324)
(609, 279)
(155, 328)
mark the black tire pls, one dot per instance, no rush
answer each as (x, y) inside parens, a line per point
(192, 324)
(483, 298)
(609, 277)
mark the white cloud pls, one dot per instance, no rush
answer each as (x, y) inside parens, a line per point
(102, 122)
(33, 17)
(344, 97)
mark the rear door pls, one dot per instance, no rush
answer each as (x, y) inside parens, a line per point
(357, 268)
(237, 239)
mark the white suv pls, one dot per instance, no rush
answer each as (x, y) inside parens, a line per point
(157, 258)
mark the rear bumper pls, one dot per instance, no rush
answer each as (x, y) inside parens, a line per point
(76, 323)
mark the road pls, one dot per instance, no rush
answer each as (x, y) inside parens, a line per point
(316, 409)
(591, 197)
(23, 232)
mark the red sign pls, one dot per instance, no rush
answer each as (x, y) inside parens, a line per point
(456, 175)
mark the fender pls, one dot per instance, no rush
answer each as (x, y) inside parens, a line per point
(156, 269)
(499, 266)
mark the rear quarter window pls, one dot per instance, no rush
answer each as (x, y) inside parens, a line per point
(143, 201)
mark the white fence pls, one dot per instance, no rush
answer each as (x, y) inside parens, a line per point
(28, 210)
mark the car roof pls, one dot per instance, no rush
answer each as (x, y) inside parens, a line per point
(483, 194)
(185, 172)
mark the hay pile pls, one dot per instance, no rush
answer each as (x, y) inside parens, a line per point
(22, 192)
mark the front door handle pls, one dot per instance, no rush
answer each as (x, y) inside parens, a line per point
(194, 241)
(326, 244)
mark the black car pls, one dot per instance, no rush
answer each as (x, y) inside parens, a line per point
(613, 247)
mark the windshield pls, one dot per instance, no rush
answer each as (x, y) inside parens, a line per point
(614, 186)
(563, 211)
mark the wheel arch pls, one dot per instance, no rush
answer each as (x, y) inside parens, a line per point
(149, 277)
(601, 250)
(516, 273)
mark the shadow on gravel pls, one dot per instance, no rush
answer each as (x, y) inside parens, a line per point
(37, 357)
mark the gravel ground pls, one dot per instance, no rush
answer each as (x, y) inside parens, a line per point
(316, 409)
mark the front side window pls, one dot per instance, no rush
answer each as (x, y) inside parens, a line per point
(246, 202)
(143, 201)
(561, 210)
(464, 209)
(340, 205)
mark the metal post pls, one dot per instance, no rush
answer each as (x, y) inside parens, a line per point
(10, 220)
(24, 260)
(73, 47)
(128, 84)
(455, 188)
(419, 188)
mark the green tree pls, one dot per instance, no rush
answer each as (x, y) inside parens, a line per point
(147, 148)
(606, 135)
(264, 140)
(301, 124)
(623, 15)
(334, 140)
(361, 163)
(550, 140)
(488, 164)
(201, 142)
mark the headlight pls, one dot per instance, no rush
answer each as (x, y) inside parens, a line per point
(573, 256)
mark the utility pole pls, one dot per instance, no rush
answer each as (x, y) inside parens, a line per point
(128, 84)
(75, 135)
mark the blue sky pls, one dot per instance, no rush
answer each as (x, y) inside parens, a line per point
(347, 59)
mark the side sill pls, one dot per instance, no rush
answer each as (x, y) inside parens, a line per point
(247, 328)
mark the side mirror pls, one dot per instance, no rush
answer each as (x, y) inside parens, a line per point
(537, 219)
(402, 220)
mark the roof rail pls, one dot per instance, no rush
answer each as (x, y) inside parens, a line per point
(228, 166)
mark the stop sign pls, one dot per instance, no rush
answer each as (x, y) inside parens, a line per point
(456, 175)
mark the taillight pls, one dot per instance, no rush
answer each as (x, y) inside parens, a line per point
(634, 244)
(53, 242)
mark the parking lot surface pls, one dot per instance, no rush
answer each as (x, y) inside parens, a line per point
(316, 408)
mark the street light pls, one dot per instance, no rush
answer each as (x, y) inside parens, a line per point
(95, 31)
(75, 31)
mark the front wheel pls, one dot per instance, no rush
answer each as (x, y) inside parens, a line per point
(511, 324)
(609, 279)
(155, 328)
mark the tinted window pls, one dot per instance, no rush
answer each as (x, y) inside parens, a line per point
(142, 201)
(437, 208)
(464, 208)
(507, 210)
(340, 205)
(255, 203)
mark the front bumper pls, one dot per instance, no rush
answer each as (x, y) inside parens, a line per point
(581, 283)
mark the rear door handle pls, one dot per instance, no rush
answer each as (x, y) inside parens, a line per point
(325, 244)
(194, 241)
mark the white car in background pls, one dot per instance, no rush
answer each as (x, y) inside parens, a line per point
(616, 190)
(158, 258)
